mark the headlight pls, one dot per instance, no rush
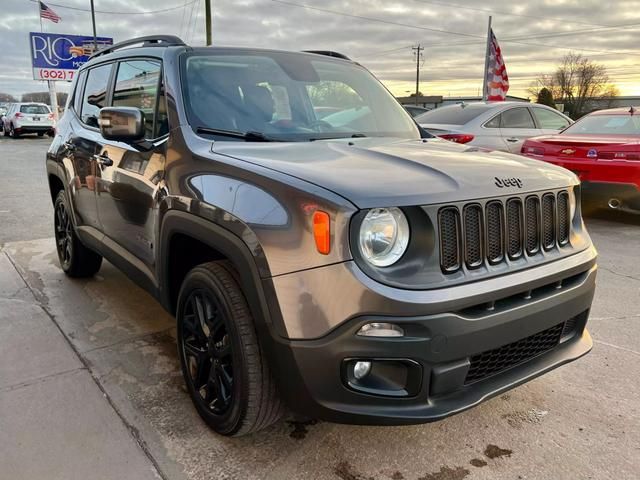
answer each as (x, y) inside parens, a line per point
(384, 236)
(572, 203)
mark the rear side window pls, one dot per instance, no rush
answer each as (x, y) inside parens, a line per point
(494, 122)
(34, 109)
(454, 115)
(95, 94)
(549, 120)
(137, 85)
(517, 118)
(76, 101)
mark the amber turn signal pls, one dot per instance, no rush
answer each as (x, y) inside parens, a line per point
(322, 231)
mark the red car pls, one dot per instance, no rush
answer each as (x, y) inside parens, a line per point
(603, 149)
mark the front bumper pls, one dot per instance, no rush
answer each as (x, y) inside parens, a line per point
(443, 346)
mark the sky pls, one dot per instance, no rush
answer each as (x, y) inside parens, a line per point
(533, 34)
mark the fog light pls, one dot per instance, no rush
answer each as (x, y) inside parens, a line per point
(361, 369)
(381, 330)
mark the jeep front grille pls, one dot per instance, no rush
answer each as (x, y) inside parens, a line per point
(472, 234)
(495, 232)
(449, 223)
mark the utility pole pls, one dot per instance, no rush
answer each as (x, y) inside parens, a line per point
(417, 51)
(207, 19)
(93, 21)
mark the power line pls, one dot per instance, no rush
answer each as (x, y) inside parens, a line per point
(372, 19)
(498, 12)
(118, 13)
(407, 25)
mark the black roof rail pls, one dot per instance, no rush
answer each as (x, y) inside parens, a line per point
(328, 53)
(148, 41)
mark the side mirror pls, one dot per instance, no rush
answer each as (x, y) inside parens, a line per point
(122, 124)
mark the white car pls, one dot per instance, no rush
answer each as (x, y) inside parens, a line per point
(494, 125)
(28, 117)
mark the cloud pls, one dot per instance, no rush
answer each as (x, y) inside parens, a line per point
(453, 61)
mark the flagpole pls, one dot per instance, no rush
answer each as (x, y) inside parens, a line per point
(40, 17)
(53, 95)
(486, 62)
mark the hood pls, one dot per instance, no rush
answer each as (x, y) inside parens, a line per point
(377, 172)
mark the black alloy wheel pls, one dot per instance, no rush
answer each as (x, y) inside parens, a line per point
(208, 351)
(63, 235)
(223, 364)
(76, 259)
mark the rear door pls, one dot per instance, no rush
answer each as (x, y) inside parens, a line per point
(82, 141)
(130, 175)
(516, 125)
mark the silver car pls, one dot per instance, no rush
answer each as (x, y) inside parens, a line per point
(28, 117)
(494, 125)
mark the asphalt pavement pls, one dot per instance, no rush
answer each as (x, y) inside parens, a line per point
(90, 384)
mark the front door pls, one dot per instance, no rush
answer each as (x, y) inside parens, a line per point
(130, 175)
(549, 121)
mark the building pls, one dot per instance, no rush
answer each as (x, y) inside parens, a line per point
(612, 102)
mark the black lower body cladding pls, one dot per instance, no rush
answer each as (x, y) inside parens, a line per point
(445, 363)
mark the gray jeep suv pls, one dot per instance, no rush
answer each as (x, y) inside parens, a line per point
(318, 249)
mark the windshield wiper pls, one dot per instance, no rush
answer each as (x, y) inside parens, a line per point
(354, 135)
(249, 136)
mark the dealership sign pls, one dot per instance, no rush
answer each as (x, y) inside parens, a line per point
(57, 57)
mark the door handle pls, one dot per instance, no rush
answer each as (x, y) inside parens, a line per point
(103, 160)
(513, 139)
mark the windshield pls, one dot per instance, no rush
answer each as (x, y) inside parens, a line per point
(288, 97)
(454, 114)
(606, 125)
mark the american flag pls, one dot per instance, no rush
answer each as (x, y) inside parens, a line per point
(46, 12)
(497, 81)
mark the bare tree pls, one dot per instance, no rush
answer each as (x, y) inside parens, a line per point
(7, 97)
(43, 97)
(576, 81)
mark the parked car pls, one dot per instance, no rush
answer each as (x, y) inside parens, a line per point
(603, 149)
(360, 272)
(3, 112)
(494, 125)
(29, 117)
(415, 110)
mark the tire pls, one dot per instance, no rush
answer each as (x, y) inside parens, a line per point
(222, 362)
(76, 260)
(12, 132)
(41, 134)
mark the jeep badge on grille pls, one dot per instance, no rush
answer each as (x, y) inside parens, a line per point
(508, 182)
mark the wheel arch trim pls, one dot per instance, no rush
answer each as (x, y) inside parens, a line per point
(234, 249)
